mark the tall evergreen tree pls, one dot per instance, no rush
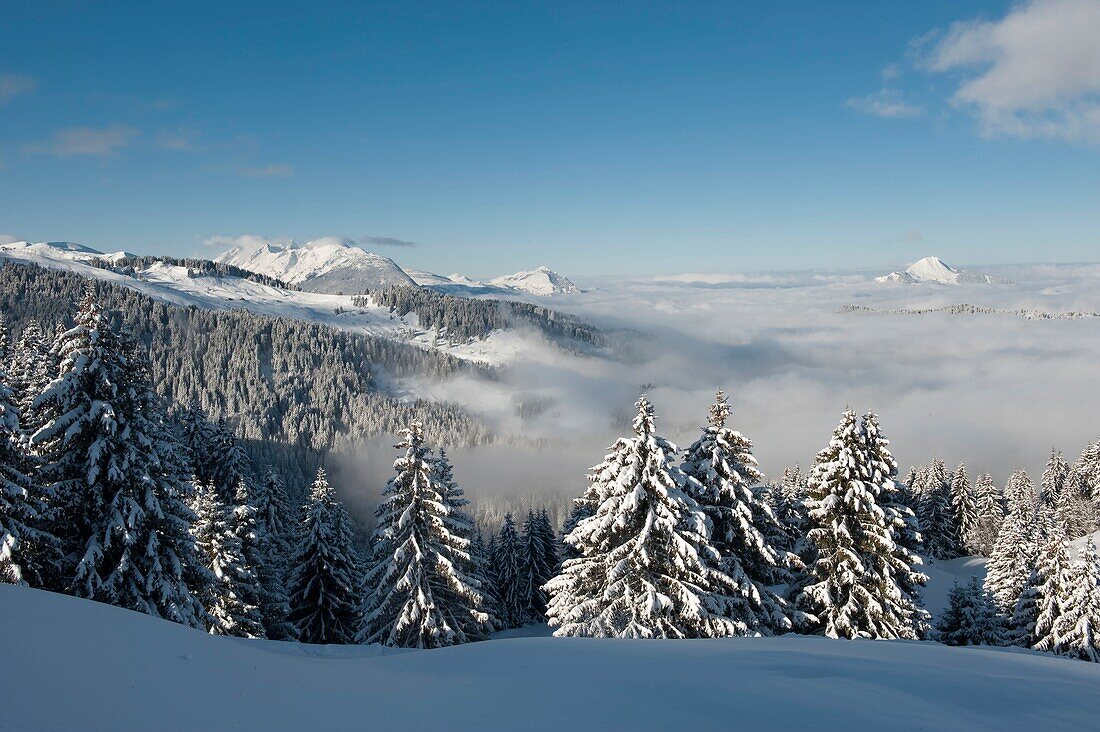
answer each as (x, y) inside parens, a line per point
(1075, 510)
(1053, 481)
(989, 515)
(646, 568)
(1015, 550)
(422, 597)
(744, 531)
(27, 552)
(108, 459)
(32, 369)
(233, 599)
(1078, 631)
(509, 579)
(274, 527)
(881, 469)
(965, 510)
(325, 572)
(853, 586)
(971, 618)
(1039, 608)
(538, 562)
(937, 516)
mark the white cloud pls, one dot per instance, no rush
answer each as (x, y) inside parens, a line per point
(384, 241)
(246, 242)
(267, 171)
(886, 103)
(85, 141)
(177, 140)
(1035, 73)
(12, 85)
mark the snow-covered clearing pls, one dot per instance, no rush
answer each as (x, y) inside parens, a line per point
(88, 666)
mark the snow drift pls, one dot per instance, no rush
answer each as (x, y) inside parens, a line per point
(76, 664)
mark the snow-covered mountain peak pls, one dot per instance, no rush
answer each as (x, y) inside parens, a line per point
(539, 281)
(934, 269)
(330, 264)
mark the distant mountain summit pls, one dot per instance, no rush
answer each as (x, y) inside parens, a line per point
(934, 269)
(329, 265)
(540, 281)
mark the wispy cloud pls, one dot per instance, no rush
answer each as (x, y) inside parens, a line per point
(246, 242)
(384, 241)
(886, 103)
(266, 171)
(13, 85)
(75, 141)
(177, 140)
(1035, 73)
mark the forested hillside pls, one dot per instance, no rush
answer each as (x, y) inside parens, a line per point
(278, 379)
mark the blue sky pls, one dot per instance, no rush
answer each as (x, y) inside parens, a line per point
(596, 138)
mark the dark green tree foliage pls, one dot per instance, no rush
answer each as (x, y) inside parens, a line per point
(275, 528)
(421, 595)
(971, 618)
(324, 586)
(108, 459)
(936, 514)
(538, 563)
(233, 598)
(965, 510)
(508, 570)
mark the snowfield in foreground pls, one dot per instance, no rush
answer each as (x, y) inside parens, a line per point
(73, 664)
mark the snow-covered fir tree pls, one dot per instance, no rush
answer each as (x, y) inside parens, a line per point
(27, 552)
(1039, 608)
(1015, 550)
(965, 510)
(274, 527)
(110, 465)
(507, 568)
(1075, 510)
(324, 586)
(647, 569)
(421, 597)
(788, 508)
(744, 531)
(935, 512)
(1077, 633)
(31, 370)
(233, 599)
(881, 469)
(971, 618)
(989, 515)
(538, 563)
(484, 573)
(853, 586)
(1053, 481)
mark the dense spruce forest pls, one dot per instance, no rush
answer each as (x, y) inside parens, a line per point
(463, 319)
(276, 379)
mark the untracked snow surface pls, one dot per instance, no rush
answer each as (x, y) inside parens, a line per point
(71, 664)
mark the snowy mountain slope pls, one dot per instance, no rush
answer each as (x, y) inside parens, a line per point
(541, 281)
(934, 269)
(172, 284)
(329, 265)
(76, 664)
(60, 250)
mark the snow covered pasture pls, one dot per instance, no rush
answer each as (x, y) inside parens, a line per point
(73, 664)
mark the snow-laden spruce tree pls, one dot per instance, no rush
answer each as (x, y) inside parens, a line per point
(853, 584)
(881, 469)
(971, 618)
(509, 577)
(1039, 608)
(538, 564)
(484, 573)
(1053, 480)
(273, 549)
(31, 370)
(421, 596)
(788, 507)
(965, 510)
(1087, 469)
(116, 487)
(743, 528)
(325, 584)
(989, 515)
(1015, 550)
(233, 598)
(27, 553)
(935, 512)
(1077, 633)
(1075, 510)
(647, 569)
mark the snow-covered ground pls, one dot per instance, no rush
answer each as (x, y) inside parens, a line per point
(72, 664)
